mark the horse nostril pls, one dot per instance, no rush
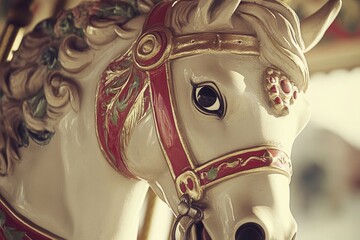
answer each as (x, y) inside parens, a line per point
(250, 231)
(294, 237)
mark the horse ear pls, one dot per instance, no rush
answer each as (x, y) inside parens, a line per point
(314, 27)
(215, 12)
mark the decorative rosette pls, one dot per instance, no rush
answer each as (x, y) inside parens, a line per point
(281, 90)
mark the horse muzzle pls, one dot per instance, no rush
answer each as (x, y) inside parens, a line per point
(250, 231)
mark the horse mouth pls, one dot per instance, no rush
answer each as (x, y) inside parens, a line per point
(248, 231)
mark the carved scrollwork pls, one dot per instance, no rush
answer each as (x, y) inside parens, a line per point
(39, 86)
(35, 95)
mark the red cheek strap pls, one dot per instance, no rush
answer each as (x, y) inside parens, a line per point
(152, 55)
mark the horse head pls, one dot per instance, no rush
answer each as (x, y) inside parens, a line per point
(203, 103)
(220, 97)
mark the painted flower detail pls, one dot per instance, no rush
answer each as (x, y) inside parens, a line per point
(117, 80)
(212, 174)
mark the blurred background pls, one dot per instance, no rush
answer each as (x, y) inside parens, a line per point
(326, 157)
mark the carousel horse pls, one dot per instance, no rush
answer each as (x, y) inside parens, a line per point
(200, 100)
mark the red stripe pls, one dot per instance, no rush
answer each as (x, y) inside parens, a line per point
(109, 138)
(244, 162)
(165, 121)
(157, 15)
(14, 222)
(163, 111)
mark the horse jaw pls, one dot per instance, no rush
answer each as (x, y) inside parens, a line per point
(145, 159)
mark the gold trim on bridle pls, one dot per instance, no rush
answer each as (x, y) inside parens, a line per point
(176, 47)
(204, 43)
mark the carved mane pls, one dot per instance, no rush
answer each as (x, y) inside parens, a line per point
(276, 26)
(40, 85)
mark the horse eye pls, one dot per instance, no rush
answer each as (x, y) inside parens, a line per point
(208, 100)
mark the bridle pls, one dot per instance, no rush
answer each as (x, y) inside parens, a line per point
(153, 52)
(151, 56)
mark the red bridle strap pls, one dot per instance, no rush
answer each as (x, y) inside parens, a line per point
(19, 227)
(152, 53)
(195, 181)
(174, 149)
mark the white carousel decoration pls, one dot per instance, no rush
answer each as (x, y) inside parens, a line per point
(201, 100)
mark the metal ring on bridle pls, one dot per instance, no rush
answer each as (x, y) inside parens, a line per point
(187, 208)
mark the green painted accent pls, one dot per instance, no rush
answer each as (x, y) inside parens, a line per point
(24, 135)
(2, 218)
(116, 85)
(13, 234)
(121, 105)
(38, 105)
(73, 22)
(134, 88)
(114, 117)
(212, 174)
(38, 108)
(120, 9)
(10, 232)
(41, 138)
(126, 63)
(50, 58)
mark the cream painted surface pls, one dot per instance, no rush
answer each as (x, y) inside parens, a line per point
(261, 197)
(149, 162)
(266, 203)
(249, 120)
(267, 195)
(247, 123)
(67, 187)
(87, 199)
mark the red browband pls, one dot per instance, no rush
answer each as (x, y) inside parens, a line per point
(189, 178)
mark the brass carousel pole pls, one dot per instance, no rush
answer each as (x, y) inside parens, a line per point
(149, 213)
(18, 16)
